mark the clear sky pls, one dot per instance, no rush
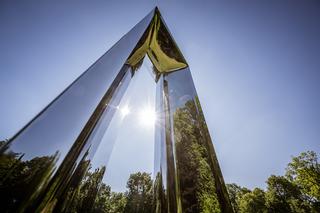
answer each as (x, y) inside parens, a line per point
(255, 64)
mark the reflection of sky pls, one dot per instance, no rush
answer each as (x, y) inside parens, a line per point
(178, 91)
(133, 149)
(255, 67)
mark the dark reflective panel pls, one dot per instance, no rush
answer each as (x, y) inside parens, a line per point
(20, 178)
(71, 175)
(116, 176)
(44, 189)
(193, 173)
(38, 162)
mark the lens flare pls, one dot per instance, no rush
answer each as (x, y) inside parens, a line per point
(125, 110)
(147, 117)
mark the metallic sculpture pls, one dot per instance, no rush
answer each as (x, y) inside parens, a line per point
(48, 165)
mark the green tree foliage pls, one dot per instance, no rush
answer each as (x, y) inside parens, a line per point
(118, 202)
(254, 201)
(109, 202)
(197, 184)
(284, 196)
(102, 202)
(235, 193)
(304, 171)
(85, 192)
(19, 178)
(139, 194)
(90, 188)
(296, 192)
(92, 195)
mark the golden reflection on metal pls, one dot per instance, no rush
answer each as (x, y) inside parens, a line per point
(159, 45)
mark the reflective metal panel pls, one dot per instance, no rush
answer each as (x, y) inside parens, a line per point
(160, 46)
(193, 171)
(51, 165)
(39, 160)
(188, 174)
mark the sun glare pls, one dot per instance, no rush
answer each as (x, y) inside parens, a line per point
(125, 111)
(147, 117)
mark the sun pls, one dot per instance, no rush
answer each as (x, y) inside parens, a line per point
(147, 116)
(125, 110)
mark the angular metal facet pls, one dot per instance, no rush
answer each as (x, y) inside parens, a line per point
(159, 45)
(49, 165)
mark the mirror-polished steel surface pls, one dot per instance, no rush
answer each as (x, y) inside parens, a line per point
(159, 45)
(50, 165)
(187, 159)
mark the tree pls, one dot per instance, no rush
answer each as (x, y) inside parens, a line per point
(109, 202)
(284, 196)
(102, 202)
(118, 202)
(90, 189)
(139, 194)
(21, 181)
(296, 192)
(253, 202)
(304, 171)
(235, 193)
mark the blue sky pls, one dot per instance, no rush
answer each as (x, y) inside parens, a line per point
(256, 67)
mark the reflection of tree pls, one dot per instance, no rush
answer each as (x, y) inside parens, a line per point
(139, 194)
(90, 188)
(4, 145)
(235, 192)
(92, 195)
(81, 192)
(21, 181)
(197, 183)
(159, 204)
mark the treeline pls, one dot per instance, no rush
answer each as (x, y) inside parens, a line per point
(19, 180)
(137, 198)
(298, 191)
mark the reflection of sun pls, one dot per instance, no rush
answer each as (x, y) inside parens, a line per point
(147, 116)
(125, 111)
